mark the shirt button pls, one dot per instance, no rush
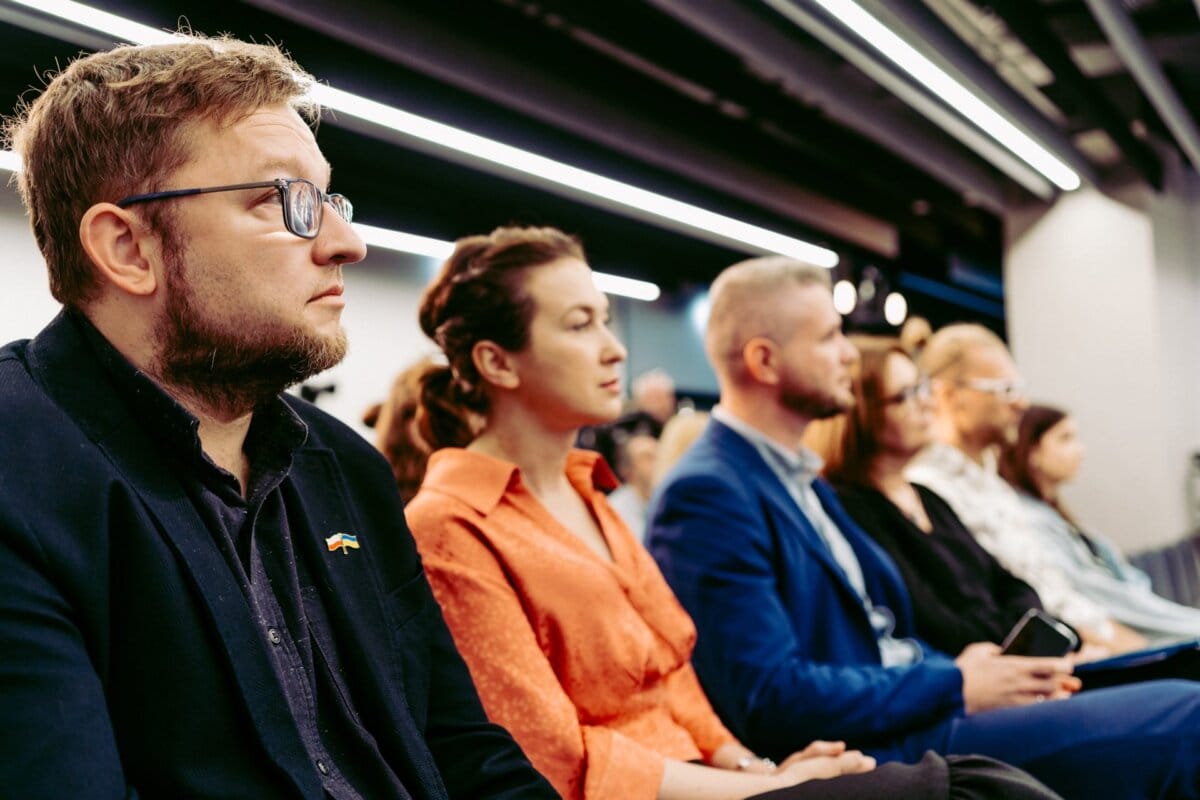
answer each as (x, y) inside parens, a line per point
(324, 770)
(274, 635)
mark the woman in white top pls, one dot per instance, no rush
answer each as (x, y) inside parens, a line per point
(1046, 455)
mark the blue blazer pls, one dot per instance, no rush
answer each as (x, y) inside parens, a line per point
(785, 650)
(130, 663)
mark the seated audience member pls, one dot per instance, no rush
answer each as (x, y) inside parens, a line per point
(572, 636)
(654, 393)
(978, 399)
(396, 433)
(804, 623)
(680, 432)
(637, 455)
(1047, 454)
(960, 594)
(206, 586)
(914, 335)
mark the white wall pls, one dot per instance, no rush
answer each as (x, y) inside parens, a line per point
(1102, 301)
(25, 302)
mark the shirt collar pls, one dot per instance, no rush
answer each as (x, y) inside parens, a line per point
(481, 481)
(802, 465)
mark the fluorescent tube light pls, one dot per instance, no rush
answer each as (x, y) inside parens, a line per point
(708, 224)
(954, 94)
(438, 248)
(626, 287)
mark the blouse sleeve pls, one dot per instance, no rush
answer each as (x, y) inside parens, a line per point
(515, 680)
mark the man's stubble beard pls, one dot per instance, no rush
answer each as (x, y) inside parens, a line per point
(226, 365)
(809, 403)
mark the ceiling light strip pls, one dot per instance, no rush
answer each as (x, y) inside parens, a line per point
(922, 102)
(954, 94)
(441, 249)
(609, 192)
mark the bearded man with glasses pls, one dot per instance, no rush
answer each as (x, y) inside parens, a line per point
(207, 588)
(978, 401)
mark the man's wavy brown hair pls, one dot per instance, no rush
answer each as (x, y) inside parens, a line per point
(115, 123)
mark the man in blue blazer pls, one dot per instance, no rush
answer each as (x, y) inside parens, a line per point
(805, 626)
(207, 588)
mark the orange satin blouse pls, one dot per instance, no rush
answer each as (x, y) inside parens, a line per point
(586, 662)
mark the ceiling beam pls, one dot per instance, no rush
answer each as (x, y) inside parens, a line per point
(1035, 34)
(1128, 42)
(819, 82)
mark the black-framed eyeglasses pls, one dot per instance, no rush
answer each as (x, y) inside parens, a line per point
(302, 200)
(918, 392)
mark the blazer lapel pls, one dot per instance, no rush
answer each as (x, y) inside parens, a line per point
(780, 503)
(67, 369)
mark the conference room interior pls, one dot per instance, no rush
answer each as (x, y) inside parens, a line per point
(1045, 187)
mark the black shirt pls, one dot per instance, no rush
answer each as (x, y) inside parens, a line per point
(960, 594)
(253, 534)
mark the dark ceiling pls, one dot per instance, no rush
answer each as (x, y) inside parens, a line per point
(727, 104)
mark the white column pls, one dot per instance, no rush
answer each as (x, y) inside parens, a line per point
(1102, 302)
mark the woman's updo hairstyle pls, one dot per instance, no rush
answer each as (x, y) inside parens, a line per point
(479, 295)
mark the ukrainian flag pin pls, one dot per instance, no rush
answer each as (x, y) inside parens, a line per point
(342, 541)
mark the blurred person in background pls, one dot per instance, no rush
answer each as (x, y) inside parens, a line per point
(1046, 455)
(397, 435)
(654, 392)
(914, 335)
(678, 435)
(960, 594)
(637, 458)
(978, 399)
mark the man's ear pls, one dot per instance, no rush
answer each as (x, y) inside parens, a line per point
(121, 247)
(495, 365)
(760, 357)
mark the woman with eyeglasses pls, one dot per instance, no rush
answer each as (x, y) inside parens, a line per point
(960, 593)
(1046, 455)
(575, 642)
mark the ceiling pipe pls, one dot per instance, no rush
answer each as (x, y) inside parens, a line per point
(1128, 43)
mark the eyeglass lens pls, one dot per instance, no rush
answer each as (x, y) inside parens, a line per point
(306, 204)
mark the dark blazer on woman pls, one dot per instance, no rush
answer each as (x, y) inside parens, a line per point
(960, 593)
(130, 662)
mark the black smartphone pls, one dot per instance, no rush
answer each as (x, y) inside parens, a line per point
(1039, 634)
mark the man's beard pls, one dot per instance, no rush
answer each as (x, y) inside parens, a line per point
(232, 366)
(808, 402)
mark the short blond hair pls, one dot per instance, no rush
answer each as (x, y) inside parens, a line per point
(949, 350)
(743, 304)
(114, 124)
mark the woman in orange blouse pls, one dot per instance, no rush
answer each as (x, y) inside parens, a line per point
(575, 642)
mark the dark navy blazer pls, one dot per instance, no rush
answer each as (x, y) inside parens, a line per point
(786, 651)
(130, 664)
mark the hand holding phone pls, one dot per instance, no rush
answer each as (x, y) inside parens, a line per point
(1039, 634)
